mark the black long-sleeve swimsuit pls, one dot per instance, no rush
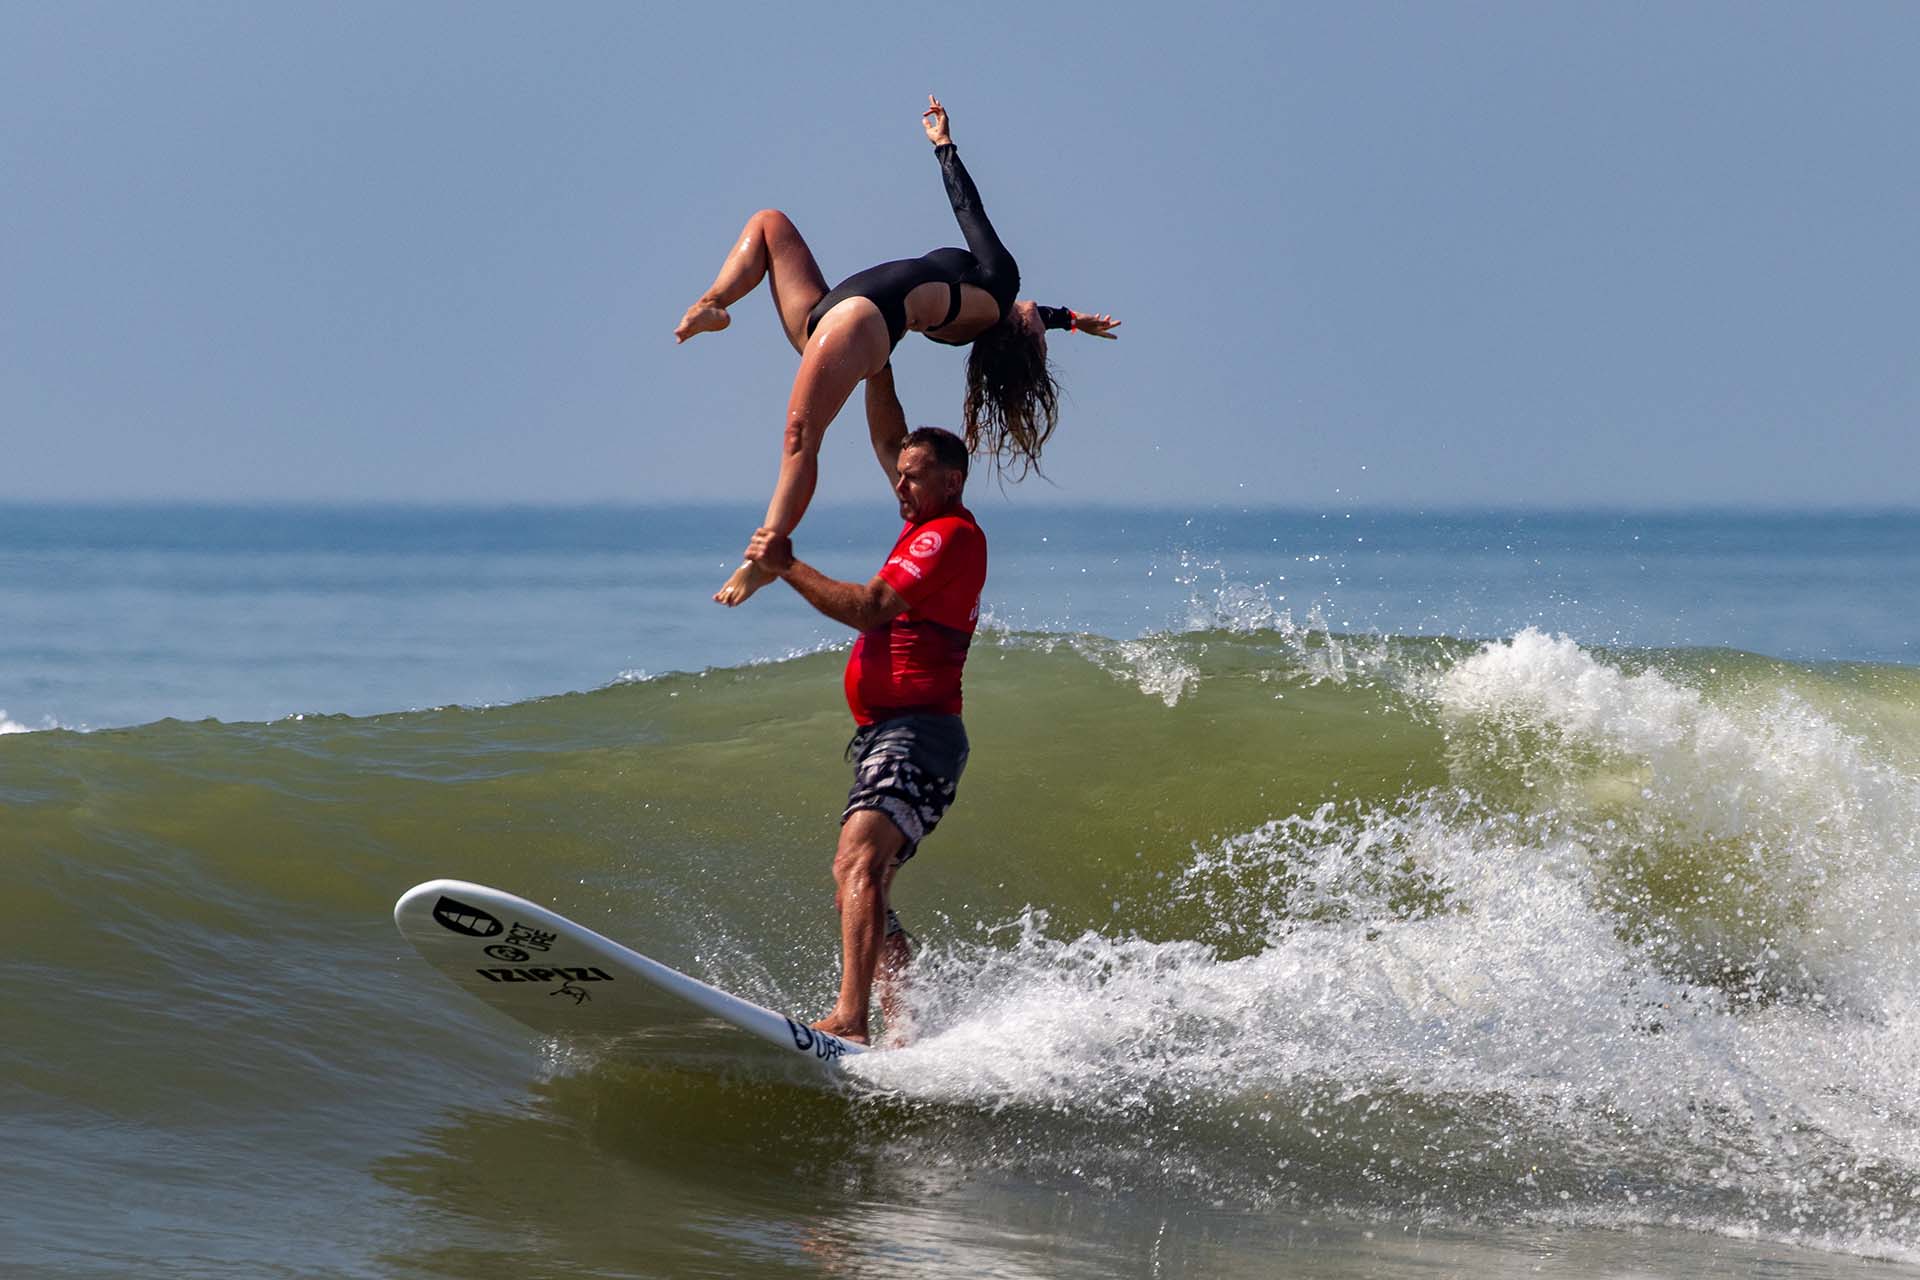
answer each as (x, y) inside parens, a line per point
(984, 263)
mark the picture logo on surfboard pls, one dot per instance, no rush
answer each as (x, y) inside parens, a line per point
(461, 918)
(818, 1043)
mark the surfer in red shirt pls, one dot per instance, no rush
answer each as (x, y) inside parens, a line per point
(916, 619)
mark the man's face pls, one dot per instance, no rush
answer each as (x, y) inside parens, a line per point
(924, 487)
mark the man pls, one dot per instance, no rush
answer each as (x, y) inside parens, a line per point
(916, 620)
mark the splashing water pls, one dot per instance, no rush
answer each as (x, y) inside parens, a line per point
(1649, 958)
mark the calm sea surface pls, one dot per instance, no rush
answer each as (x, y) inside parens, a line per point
(120, 615)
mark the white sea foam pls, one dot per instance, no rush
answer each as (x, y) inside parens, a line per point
(1157, 666)
(1441, 1000)
(1447, 1000)
(1217, 602)
(1530, 1054)
(1822, 834)
(1167, 666)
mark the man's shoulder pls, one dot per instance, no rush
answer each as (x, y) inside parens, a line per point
(950, 527)
(936, 549)
(957, 522)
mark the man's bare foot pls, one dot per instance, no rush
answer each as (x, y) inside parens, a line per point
(701, 317)
(746, 580)
(848, 1031)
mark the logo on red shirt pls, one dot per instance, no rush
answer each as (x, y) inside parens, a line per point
(925, 545)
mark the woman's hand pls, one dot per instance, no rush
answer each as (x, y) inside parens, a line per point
(1096, 326)
(934, 121)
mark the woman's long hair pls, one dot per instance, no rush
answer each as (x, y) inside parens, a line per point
(1012, 403)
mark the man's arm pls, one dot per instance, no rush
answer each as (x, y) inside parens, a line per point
(886, 421)
(862, 607)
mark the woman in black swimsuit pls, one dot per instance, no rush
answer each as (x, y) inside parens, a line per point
(847, 334)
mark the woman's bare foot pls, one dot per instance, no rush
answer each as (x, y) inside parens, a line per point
(841, 1030)
(701, 317)
(746, 580)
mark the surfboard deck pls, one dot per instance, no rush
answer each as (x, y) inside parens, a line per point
(564, 980)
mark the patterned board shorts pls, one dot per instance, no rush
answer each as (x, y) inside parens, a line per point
(908, 768)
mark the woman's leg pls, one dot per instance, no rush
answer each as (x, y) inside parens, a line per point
(768, 246)
(851, 345)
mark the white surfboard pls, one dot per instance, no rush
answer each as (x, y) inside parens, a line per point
(563, 979)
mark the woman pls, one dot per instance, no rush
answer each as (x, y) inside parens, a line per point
(846, 335)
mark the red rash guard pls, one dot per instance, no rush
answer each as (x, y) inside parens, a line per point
(912, 664)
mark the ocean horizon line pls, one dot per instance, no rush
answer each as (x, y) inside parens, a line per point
(1167, 508)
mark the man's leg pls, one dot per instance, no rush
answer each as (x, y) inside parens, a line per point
(863, 867)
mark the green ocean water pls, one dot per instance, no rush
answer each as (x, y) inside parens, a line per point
(1244, 950)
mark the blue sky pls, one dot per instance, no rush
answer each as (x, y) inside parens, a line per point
(1429, 255)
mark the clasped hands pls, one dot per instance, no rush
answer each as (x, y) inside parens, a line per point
(771, 550)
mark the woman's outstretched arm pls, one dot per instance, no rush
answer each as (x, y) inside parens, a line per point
(1099, 326)
(996, 264)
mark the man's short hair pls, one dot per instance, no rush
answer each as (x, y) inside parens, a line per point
(948, 449)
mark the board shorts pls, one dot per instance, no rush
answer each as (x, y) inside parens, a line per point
(907, 768)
